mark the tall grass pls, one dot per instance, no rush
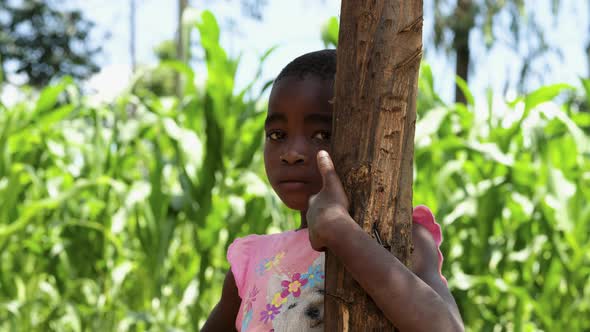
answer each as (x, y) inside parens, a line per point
(510, 182)
(118, 216)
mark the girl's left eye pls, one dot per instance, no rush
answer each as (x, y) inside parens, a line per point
(322, 135)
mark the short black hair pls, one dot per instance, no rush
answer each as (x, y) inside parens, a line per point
(320, 64)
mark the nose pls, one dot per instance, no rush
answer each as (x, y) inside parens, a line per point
(313, 312)
(292, 158)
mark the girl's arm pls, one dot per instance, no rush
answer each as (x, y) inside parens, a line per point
(223, 316)
(425, 266)
(412, 301)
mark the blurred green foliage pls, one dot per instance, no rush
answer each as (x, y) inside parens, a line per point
(159, 81)
(509, 182)
(118, 216)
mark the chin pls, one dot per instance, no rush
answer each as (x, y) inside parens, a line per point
(296, 203)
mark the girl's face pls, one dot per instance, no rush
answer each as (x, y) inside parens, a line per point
(298, 125)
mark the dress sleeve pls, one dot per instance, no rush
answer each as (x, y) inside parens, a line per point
(424, 217)
(238, 256)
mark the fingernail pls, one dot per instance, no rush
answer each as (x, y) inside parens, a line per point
(323, 154)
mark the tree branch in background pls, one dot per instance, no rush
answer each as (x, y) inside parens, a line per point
(42, 42)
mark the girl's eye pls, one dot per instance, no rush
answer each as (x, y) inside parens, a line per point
(323, 135)
(275, 135)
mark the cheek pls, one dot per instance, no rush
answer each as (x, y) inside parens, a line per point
(267, 166)
(269, 163)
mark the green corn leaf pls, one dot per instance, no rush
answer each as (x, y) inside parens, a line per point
(330, 31)
(49, 96)
(465, 90)
(542, 95)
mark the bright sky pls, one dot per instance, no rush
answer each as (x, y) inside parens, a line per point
(295, 27)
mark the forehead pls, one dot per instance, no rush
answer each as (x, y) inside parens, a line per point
(293, 95)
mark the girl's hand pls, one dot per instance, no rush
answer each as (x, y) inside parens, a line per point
(327, 208)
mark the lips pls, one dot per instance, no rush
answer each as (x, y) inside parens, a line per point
(293, 176)
(294, 181)
(293, 184)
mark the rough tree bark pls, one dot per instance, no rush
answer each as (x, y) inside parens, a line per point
(379, 53)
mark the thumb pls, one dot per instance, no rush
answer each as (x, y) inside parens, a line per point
(326, 168)
(330, 180)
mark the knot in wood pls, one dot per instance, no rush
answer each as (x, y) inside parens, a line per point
(393, 103)
(358, 176)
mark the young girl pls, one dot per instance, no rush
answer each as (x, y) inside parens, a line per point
(276, 282)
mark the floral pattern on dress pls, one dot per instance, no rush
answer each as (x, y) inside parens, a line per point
(293, 286)
(269, 314)
(249, 307)
(278, 300)
(314, 275)
(251, 297)
(269, 263)
(246, 320)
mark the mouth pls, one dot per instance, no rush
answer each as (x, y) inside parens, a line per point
(316, 323)
(291, 185)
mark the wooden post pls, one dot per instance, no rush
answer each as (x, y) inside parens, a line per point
(379, 53)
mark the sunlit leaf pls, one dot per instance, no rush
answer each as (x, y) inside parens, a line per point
(544, 94)
(465, 90)
(330, 31)
(49, 96)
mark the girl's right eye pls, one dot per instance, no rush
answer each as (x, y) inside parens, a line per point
(275, 135)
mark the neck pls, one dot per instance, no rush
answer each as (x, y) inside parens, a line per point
(303, 220)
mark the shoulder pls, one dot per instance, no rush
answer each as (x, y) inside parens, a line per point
(427, 237)
(424, 217)
(425, 254)
(244, 252)
(249, 242)
(255, 238)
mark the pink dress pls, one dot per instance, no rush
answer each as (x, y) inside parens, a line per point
(280, 278)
